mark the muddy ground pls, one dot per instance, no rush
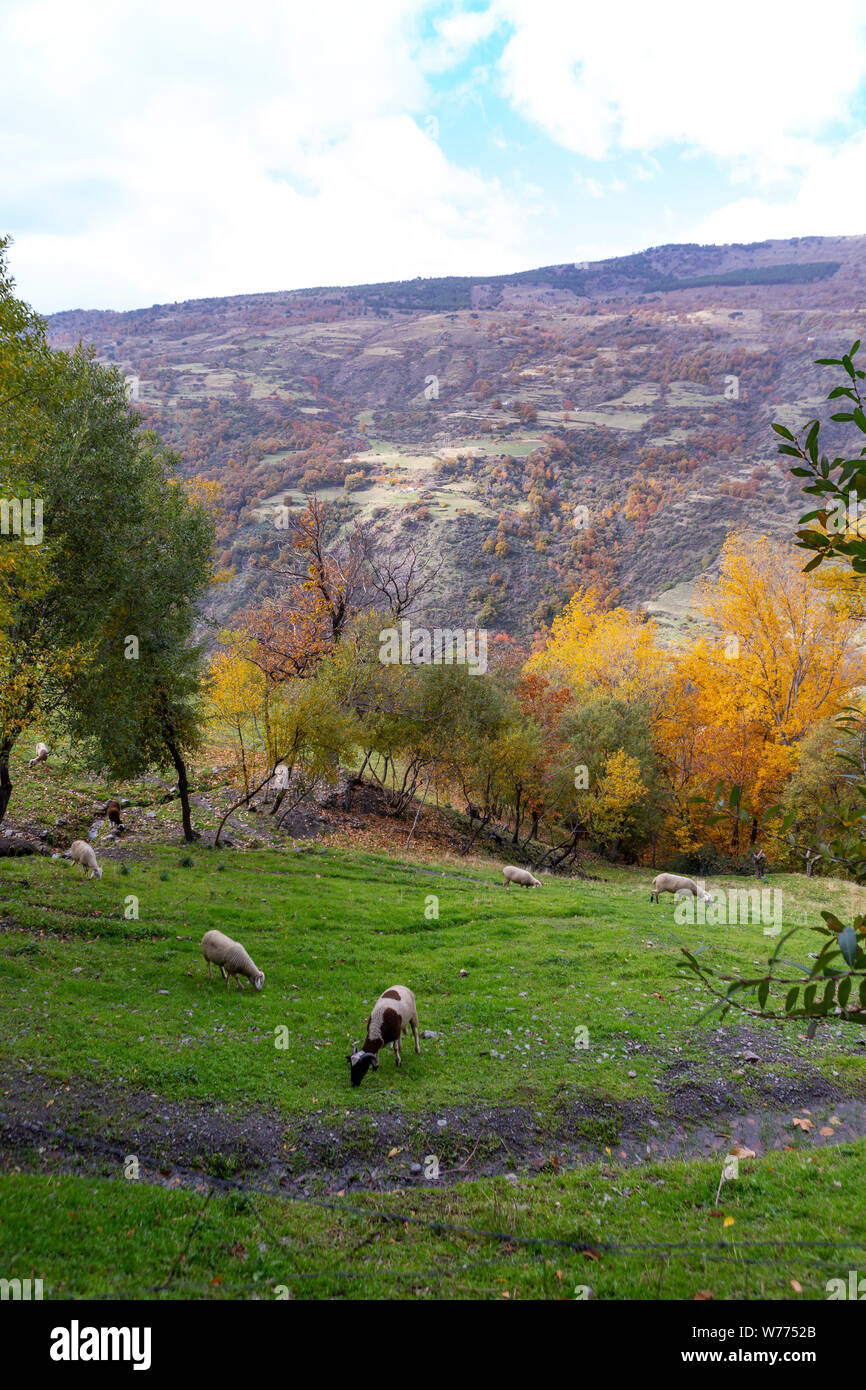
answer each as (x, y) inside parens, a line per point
(81, 1127)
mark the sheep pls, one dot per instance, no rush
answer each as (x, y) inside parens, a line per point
(394, 1013)
(112, 810)
(523, 877)
(674, 883)
(82, 853)
(231, 958)
(41, 755)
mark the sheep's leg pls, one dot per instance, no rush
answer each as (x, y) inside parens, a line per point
(398, 1059)
(415, 1034)
(209, 970)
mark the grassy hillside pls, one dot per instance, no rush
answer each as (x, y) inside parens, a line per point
(119, 1046)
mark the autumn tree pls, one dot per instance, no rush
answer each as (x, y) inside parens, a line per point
(71, 447)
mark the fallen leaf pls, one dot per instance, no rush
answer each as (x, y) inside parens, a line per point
(728, 1221)
(798, 1288)
(703, 1296)
(827, 1131)
(739, 1152)
(805, 1125)
(392, 1153)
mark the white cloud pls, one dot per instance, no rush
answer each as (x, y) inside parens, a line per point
(159, 152)
(830, 200)
(189, 147)
(752, 83)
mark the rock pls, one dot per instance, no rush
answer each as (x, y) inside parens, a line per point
(428, 1033)
(151, 815)
(512, 1178)
(415, 1168)
(463, 974)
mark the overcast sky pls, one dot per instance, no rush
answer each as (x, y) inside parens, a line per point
(171, 149)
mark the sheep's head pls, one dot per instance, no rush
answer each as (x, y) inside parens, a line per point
(259, 979)
(360, 1063)
(708, 897)
(98, 871)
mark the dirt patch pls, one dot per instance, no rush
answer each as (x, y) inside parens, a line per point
(50, 1125)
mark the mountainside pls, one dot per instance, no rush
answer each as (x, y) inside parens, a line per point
(603, 422)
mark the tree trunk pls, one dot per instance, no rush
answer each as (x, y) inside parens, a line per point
(418, 812)
(5, 780)
(518, 817)
(183, 787)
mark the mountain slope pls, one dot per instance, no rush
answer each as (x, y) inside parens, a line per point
(603, 423)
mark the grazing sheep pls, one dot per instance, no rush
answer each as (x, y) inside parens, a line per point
(674, 883)
(523, 877)
(394, 1013)
(41, 755)
(112, 810)
(231, 958)
(82, 853)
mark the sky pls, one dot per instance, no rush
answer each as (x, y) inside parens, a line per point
(170, 150)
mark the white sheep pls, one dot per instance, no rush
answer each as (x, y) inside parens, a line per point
(674, 883)
(82, 853)
(231, 958)
(523, 877)
(41, 755)
(394, 1013)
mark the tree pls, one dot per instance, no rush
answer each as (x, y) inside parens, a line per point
(835, 984)
(72, 450)
(149, 665)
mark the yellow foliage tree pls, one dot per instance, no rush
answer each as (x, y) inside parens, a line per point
(782, 656)
(619, 793)
(611, 652)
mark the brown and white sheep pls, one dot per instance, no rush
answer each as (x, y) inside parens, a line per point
(394, 1013)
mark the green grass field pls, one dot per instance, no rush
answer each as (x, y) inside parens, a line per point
(568, 1079)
